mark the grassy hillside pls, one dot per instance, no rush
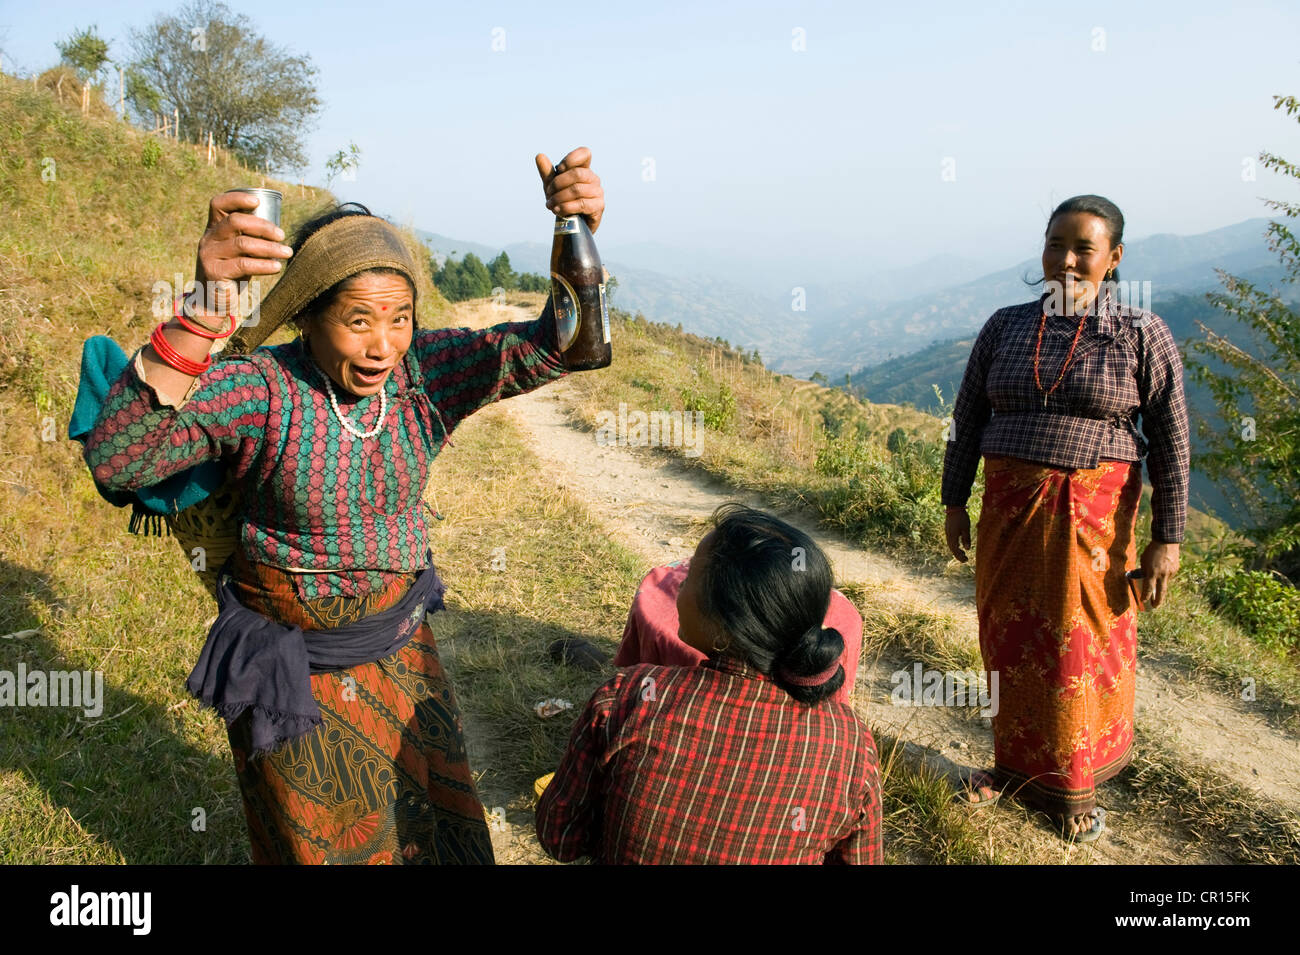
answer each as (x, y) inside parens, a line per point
(865, 468)
(80, 252)
(96, 213)
(911, 379)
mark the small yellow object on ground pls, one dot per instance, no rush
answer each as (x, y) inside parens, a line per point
(542, 782)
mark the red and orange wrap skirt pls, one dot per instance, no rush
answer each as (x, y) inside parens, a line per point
(386, 779)
(1058, 624)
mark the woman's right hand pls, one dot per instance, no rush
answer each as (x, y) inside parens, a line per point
(234, 246)
(576, 190)
(956, 528)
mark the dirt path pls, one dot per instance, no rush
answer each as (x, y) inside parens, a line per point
(657, 507)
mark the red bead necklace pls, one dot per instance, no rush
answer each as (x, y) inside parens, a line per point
(1038, 348)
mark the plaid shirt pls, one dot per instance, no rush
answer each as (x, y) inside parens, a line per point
(712, 764)
(1091, 416)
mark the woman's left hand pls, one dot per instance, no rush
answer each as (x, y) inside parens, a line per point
(572, 188)
(1159, 564)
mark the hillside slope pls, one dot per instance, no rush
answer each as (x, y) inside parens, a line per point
(80, 253)
(656, 502)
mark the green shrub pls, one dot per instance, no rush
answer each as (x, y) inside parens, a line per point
(719, 409)
(1258, 601)
(845, 456)
(150, 154)
(886, 495)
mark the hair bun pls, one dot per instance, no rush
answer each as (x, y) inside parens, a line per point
(821, 645)
(813, 664)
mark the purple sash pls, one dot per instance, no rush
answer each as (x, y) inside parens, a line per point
(252, 663)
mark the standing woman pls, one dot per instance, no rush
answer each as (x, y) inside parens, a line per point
(1051, 397)
(344, 728)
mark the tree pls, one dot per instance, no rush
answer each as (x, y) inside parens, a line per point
(532, 282)
(209, 64)
(1258, 395)
(141, 94)
(86, 52)
(343, 163)
(475, 280)
(503, 276)
(468, 278)
(447, 278)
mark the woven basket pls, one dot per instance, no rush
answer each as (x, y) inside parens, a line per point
(209, 531)
(211, 527)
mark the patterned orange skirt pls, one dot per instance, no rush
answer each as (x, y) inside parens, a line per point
(386, 778)
(1058, 626)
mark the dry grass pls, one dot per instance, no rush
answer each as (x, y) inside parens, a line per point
(922, 824)
(79, 255)
(931, 639)
(81, 248)
(1209, 809)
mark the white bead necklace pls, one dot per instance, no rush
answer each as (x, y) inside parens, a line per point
(348, 426)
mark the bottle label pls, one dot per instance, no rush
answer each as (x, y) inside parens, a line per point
(604, 312)
(568, 314)
(566, 225)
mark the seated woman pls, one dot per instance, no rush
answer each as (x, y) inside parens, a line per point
(651, 633)
(744, 759)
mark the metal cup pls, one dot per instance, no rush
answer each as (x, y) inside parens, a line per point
(268, 206)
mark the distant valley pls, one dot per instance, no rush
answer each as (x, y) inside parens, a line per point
(848, 326)
(896, 346)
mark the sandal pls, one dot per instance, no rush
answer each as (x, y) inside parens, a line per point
(1091, 834)
(970, 785)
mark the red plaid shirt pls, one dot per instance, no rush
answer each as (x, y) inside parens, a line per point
(712, 764)
(1092, 415)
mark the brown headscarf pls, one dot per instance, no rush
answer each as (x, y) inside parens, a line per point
(339, 250)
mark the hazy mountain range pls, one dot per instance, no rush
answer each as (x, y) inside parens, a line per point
(1175, 265)
(848, 324)
(899, 333)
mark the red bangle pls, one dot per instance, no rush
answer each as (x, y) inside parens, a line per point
(198, 329)
(170, 356)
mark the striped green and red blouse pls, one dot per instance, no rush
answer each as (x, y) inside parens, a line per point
(315, 498)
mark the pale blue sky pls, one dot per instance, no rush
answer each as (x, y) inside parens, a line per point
(835, 152)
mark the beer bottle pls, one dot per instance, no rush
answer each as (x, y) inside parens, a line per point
(578, 296)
